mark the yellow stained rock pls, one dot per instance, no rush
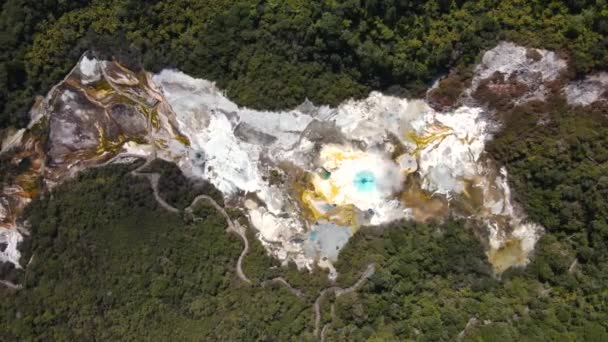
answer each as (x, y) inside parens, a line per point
(510, 254)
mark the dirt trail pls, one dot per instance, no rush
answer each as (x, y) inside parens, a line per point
(233, 227)
(154, 178)
(369, 271)
(324, 332)
(11, 285)
(284, 282)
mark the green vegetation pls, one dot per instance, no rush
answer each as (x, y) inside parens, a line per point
(274, 54)
(108, 263)
(559, 172)
(435, 280)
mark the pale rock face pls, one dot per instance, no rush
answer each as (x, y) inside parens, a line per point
(355, 181)
(531, 67)
(88, 118)
(11, 140)
(454, 154)
(89, 70)
(3, 211)
(326, 241)
(11, 238)
(510, 59)
(308, 177)
(587, 91)
(407, 163)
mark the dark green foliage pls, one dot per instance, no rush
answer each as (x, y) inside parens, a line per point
(108, 263)
(20, 21)
(432, 281)
(275, 54)
(560, 173)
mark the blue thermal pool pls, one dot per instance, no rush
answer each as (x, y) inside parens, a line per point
(364, 181)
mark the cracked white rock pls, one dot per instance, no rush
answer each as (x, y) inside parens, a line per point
(361, 181)
(587, 91)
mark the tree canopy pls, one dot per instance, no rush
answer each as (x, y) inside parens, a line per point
(275, 54)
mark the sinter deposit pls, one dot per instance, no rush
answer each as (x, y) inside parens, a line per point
(308, 178)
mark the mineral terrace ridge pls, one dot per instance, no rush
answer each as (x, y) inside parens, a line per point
(307, 178)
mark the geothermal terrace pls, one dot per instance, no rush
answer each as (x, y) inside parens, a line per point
(307, 178)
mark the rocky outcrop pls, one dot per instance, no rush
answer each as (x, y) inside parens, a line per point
(309, 177)
(593, 89)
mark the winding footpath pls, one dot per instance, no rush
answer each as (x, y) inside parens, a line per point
(338, 291)
(282, 281)
(11, 285)
(236, 228)
(233, 227)
(154, 178)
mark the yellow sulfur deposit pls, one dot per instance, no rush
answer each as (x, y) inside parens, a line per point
(509, 255)
(434, 134)
(351, 186)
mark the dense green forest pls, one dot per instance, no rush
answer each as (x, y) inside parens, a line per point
(107, 263)
(271, 54)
